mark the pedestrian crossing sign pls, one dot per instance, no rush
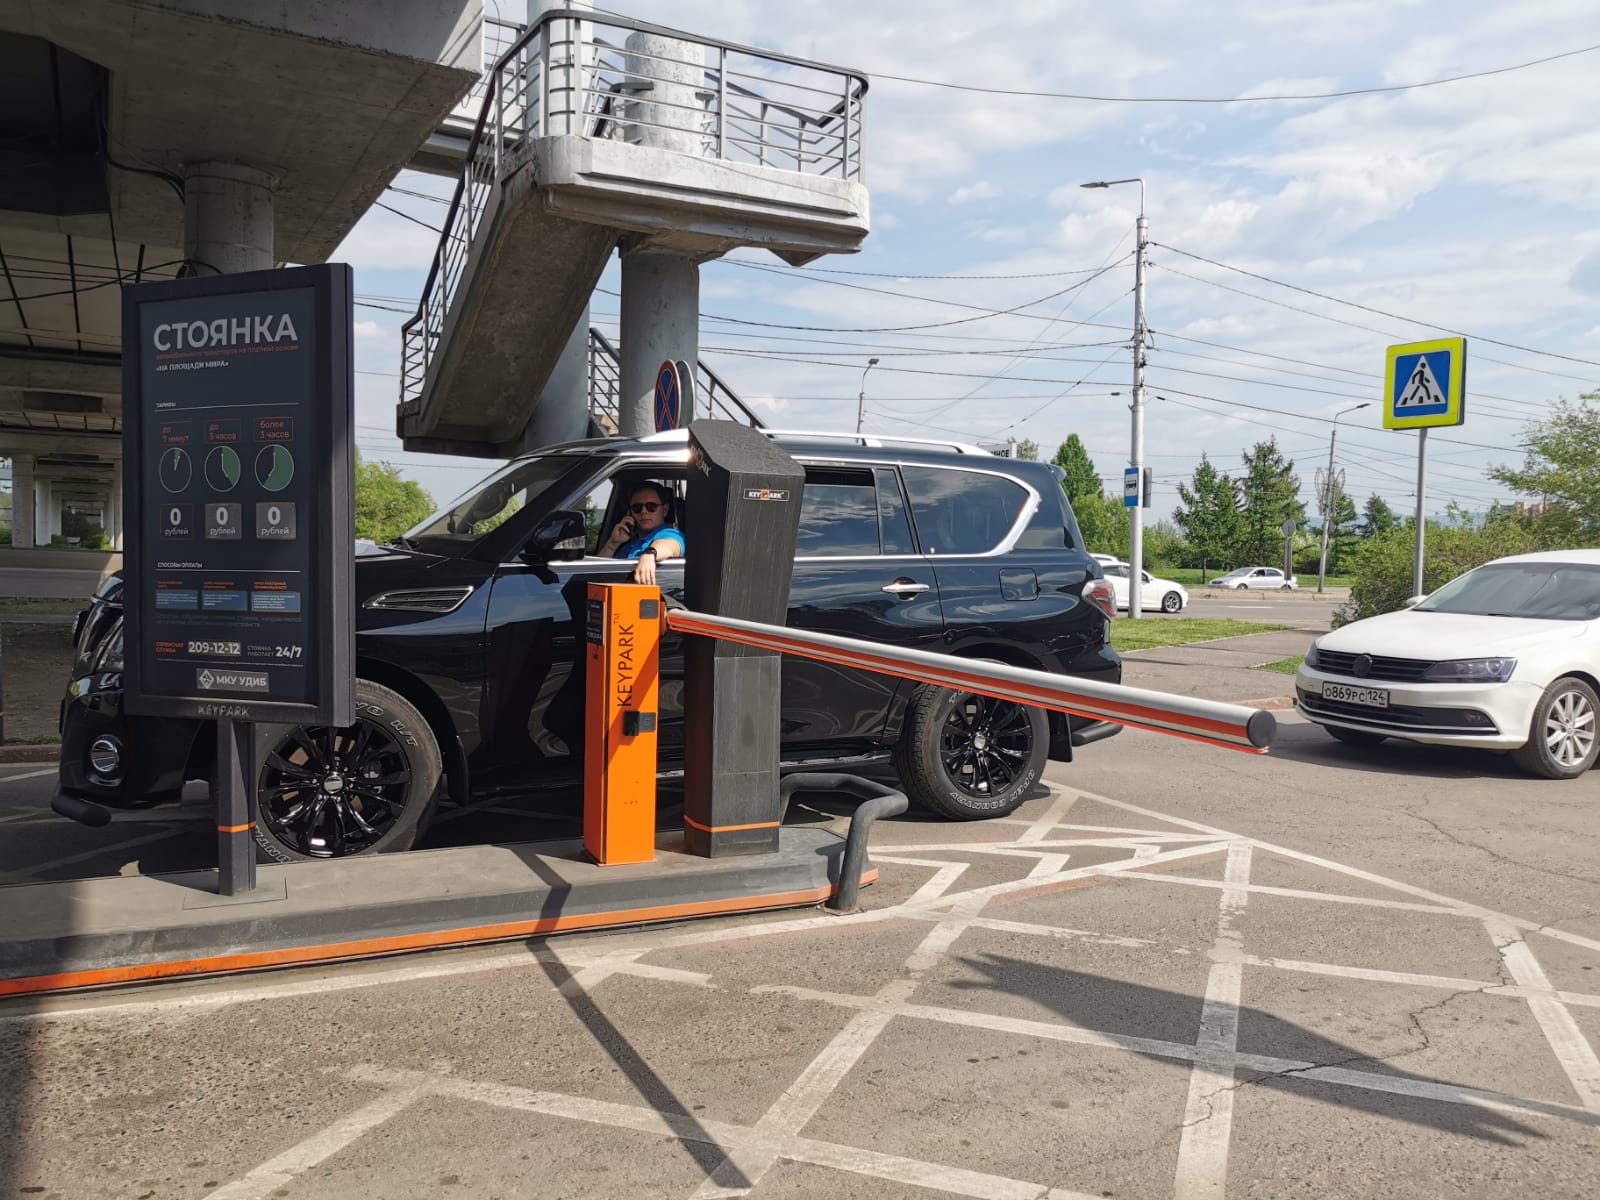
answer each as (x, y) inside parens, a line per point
(1426, 384)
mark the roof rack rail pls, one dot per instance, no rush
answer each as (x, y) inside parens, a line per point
(880, 439)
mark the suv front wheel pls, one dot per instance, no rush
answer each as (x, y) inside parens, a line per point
(966, 756)
(335, 792)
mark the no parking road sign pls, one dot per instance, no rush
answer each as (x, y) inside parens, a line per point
(1426, 384)
(674, 394)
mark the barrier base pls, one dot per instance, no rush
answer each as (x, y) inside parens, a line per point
(107, 932)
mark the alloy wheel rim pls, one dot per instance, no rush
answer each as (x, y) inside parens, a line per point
(330, 792)
(1569, 728)
(984, 744)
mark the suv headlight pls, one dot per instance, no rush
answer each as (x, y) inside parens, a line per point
(1471, 670)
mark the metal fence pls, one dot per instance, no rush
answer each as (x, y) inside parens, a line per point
(611, 77)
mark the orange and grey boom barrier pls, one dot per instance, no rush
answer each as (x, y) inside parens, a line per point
(1230, 725)
(623, 645)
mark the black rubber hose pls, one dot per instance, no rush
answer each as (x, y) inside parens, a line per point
(877, 799)
(85, 812)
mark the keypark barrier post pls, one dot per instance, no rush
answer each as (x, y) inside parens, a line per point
(237, 403)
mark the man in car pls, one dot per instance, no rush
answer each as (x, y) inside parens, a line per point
(646, 533)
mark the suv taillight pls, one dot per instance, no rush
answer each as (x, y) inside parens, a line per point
(1103, 596)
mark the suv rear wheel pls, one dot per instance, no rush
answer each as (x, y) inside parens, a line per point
(366, 788)
(966, 756)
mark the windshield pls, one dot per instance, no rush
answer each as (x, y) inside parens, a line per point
(1551, 591)
(489, 504)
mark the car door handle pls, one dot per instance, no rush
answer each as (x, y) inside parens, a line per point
(905, 587)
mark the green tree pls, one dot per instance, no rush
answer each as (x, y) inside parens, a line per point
(1208, 515)
(1344, 533)
(1562, 472)
(1103, 527)
(1028, 449)
(1269, 494)
(1380, 517)
(386, 504)
(1164, 547)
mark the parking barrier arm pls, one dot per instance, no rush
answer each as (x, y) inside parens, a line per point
(1230, 725)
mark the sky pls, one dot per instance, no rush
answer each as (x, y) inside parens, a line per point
(1468, 207)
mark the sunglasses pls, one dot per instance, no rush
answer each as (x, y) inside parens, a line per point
(645, 506)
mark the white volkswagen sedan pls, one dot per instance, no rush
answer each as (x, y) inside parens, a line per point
(1256, 577)
(1505, 657)
(1155, 595)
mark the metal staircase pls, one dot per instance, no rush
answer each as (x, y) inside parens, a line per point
(595, 131)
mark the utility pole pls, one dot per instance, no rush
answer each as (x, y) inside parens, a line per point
(861, 397)
(1136, 452)
(1330, 500)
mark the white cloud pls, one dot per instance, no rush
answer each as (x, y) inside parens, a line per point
(369, 331)
(982, 190)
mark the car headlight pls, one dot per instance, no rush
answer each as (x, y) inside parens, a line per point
(1471, 670)
(1313, 659)
(110, 656)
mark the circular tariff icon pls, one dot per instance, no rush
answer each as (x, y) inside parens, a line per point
(175, 469)
(222, 469)
(274, 468)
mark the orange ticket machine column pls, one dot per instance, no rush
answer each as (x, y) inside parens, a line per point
(623, 643)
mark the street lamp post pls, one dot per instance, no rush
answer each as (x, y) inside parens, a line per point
(1136, 452)
(1328, 500)
(861, 397)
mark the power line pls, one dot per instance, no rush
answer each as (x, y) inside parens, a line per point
(803, 271)
(414, 220)
(1377, 311)
(1339, 95)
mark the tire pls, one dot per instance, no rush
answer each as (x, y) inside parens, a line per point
(1353, 737)
(1171, 603)
(942, 769)
(1239, 587)
(1563, 738)
(386, 769)
(1285, 588)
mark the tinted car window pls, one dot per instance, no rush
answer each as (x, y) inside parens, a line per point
(894, 521)
(962, 512)
(1540, 590)
(838, 514)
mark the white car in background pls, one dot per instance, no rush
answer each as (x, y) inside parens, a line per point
(1505, 657)
(1107, 560)
(1255, 577)
(1155, 595)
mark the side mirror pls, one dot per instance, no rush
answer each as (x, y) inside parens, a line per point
(1413, 601)
(561, 537)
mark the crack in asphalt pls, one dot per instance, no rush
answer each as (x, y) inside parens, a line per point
(1411, 811)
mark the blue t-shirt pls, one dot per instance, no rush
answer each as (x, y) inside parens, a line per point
(635, 546)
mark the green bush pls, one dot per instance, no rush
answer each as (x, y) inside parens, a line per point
(5, 537)
(1381, 566)
(59, 539)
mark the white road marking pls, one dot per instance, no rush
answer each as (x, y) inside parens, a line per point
(1040, 829)
(1262, 889)
(29, 775)
(1202, 1172)
(1567, 1043)
(320, 1146)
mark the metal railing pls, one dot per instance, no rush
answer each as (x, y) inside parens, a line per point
(712, 397)
(1231, 725)
(576, 73)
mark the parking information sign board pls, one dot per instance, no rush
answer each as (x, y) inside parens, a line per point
(238, 485)
(1426, 384)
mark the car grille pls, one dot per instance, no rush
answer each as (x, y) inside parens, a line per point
(1401, 718)
(1333, 662)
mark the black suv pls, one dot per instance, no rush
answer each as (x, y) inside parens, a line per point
(469, 629)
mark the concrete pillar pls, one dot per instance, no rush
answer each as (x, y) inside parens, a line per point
(562, 413)
(227, 218)
(660, 320)
(22, 503)
(668, 94)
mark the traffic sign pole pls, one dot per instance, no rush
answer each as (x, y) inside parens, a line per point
(1422, 488)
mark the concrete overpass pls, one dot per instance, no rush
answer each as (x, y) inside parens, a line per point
(144, 139)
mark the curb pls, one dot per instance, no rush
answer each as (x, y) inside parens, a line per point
(29, 754)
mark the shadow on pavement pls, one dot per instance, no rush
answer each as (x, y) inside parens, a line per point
(1310, 744)
(1114, 1006)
